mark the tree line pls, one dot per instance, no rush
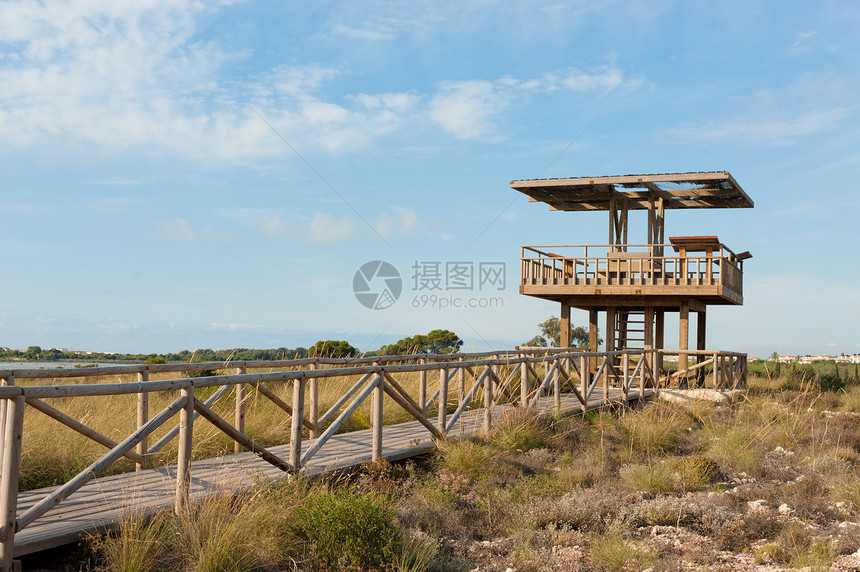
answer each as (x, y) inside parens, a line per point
(437, 341)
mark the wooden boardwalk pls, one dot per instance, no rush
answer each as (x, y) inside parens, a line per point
(103, 502)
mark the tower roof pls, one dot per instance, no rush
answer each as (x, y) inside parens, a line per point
(707, 190)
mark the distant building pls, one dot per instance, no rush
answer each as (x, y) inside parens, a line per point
(786, 358)
(848, 358)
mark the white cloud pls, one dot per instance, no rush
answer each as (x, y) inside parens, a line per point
(367, 34)
(467, 109)
(472, 109)
(179, 230)
(776, 128)
(396, 221)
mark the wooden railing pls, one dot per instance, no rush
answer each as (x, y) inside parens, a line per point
(526, 377)
(637, 265)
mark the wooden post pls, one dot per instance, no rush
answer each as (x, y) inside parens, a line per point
(700, 345)
(313, 404)
(183, 464)
(683, 341)
(461, 377)
(488, 400)
(564, 326)
(142, 418)
(716, 365)
(240, 409)
(659, 322)
(524, 381)
(584, 379)
(642, 373)
(592, 341)
(296, 425)
(443, 399)
(3, 409)
(422, 387)
(625, 376)
(649, 343)
(376, 416)
(556, 386)
(11, 467)
(610, 346)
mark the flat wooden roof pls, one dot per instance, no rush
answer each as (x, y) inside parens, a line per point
(709, 190)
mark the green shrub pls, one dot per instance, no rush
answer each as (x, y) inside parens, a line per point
(521, 429)
(346, 529)
(654, 478)
(696, 473)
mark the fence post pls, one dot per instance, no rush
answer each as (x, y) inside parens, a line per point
(642, 369)
(240, 408)
(422, 387)
(488, 400)
(376, 415)
(556, 386)
(296, 426)
(443, 398)
(313, 404)
(461, 377)
(524, 381)
(583, 380)
(142, 418)
(183, 464)
(3, 382)
(716, 365)
(13, 431)
(625, 376)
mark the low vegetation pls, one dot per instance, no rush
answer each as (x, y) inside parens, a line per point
(768, 481)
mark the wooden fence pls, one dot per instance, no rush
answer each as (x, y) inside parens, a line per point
(447, 386)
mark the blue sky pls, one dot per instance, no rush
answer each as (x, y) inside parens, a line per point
(201, 174)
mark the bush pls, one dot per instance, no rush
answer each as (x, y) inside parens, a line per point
(521, 429)
(697, 473)
(345, 529)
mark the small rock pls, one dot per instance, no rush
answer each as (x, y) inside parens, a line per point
(759, 505)
(840, 504)
(510, 570)
(848, 524)
(784, 509)
(713, 494)
(649, 569)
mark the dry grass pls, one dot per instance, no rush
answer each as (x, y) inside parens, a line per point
(663, 485)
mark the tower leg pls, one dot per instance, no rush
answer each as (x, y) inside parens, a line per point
(683, 342)
(565, 325)
(700, 345)
(659, 322)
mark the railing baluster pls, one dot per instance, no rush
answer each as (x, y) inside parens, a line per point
(240, 409)
(296, 423)
(183, 464)
(376, 417)
(142, 418)
(443, 398)
(313, 404)
(13, 433)
(488, 400)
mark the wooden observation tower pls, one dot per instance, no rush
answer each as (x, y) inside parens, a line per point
(636, 285)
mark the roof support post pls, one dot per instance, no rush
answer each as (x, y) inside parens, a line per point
(564, 340)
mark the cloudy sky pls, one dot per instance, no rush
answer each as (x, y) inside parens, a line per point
(184, 174)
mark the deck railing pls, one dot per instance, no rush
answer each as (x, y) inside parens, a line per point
(636, 265)
(448, 385)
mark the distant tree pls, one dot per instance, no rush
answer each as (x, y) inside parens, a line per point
(332, 348)
(53, 353)
(536, 342)
(551, 335)
(153, 359)
(774, 356)
(33, 352)
(434, 342)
